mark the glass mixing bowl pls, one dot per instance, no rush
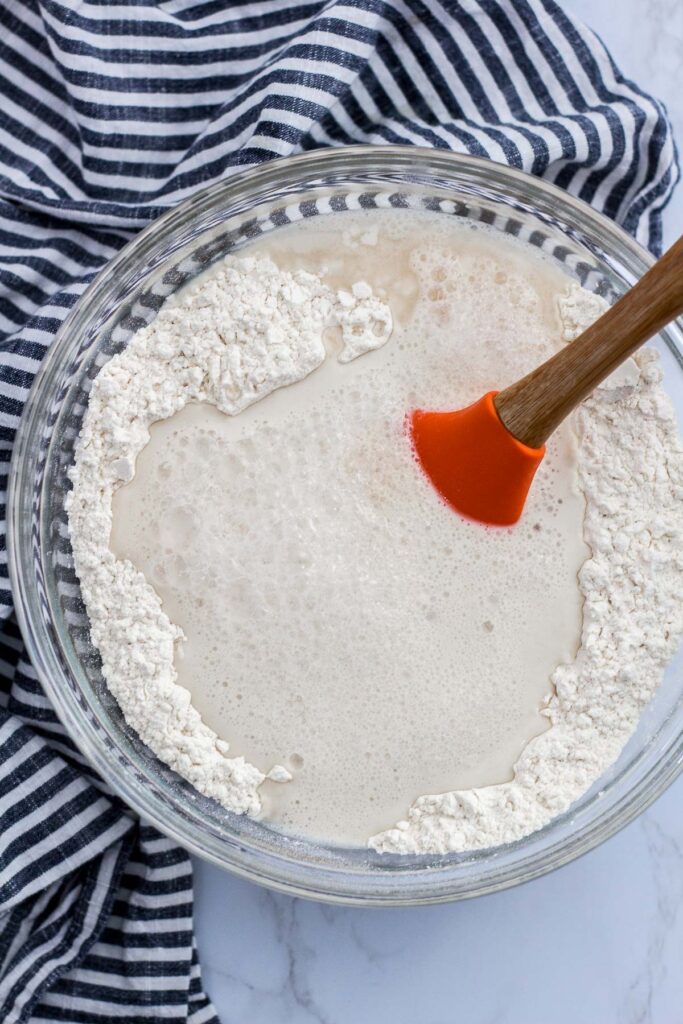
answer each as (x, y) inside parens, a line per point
(127, 295)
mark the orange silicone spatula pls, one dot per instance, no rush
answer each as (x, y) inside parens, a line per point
(482, 459)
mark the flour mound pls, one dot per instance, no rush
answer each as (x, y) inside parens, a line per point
(631, 472)
(230, 339)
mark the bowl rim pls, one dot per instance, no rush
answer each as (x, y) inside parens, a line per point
(400, 159)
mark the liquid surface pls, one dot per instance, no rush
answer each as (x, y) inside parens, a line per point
(340, 619)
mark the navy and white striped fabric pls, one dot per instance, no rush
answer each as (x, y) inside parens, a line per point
(111, 113)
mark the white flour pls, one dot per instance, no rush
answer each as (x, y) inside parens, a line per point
(230, 339)
(237, 336)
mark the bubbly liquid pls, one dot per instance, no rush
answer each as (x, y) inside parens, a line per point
(340, 619)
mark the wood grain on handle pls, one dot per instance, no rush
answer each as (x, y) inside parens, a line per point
(535, 406)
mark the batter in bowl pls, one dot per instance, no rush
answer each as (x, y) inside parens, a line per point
(354, 642)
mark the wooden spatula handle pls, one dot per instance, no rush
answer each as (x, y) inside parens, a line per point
(535, 406)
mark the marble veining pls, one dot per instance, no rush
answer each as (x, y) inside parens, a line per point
(599, 941)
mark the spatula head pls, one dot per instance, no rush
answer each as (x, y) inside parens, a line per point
(474, 462)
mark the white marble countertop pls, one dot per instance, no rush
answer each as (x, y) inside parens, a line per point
(598, 942)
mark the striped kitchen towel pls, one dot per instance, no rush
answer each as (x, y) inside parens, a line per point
(110, 114)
